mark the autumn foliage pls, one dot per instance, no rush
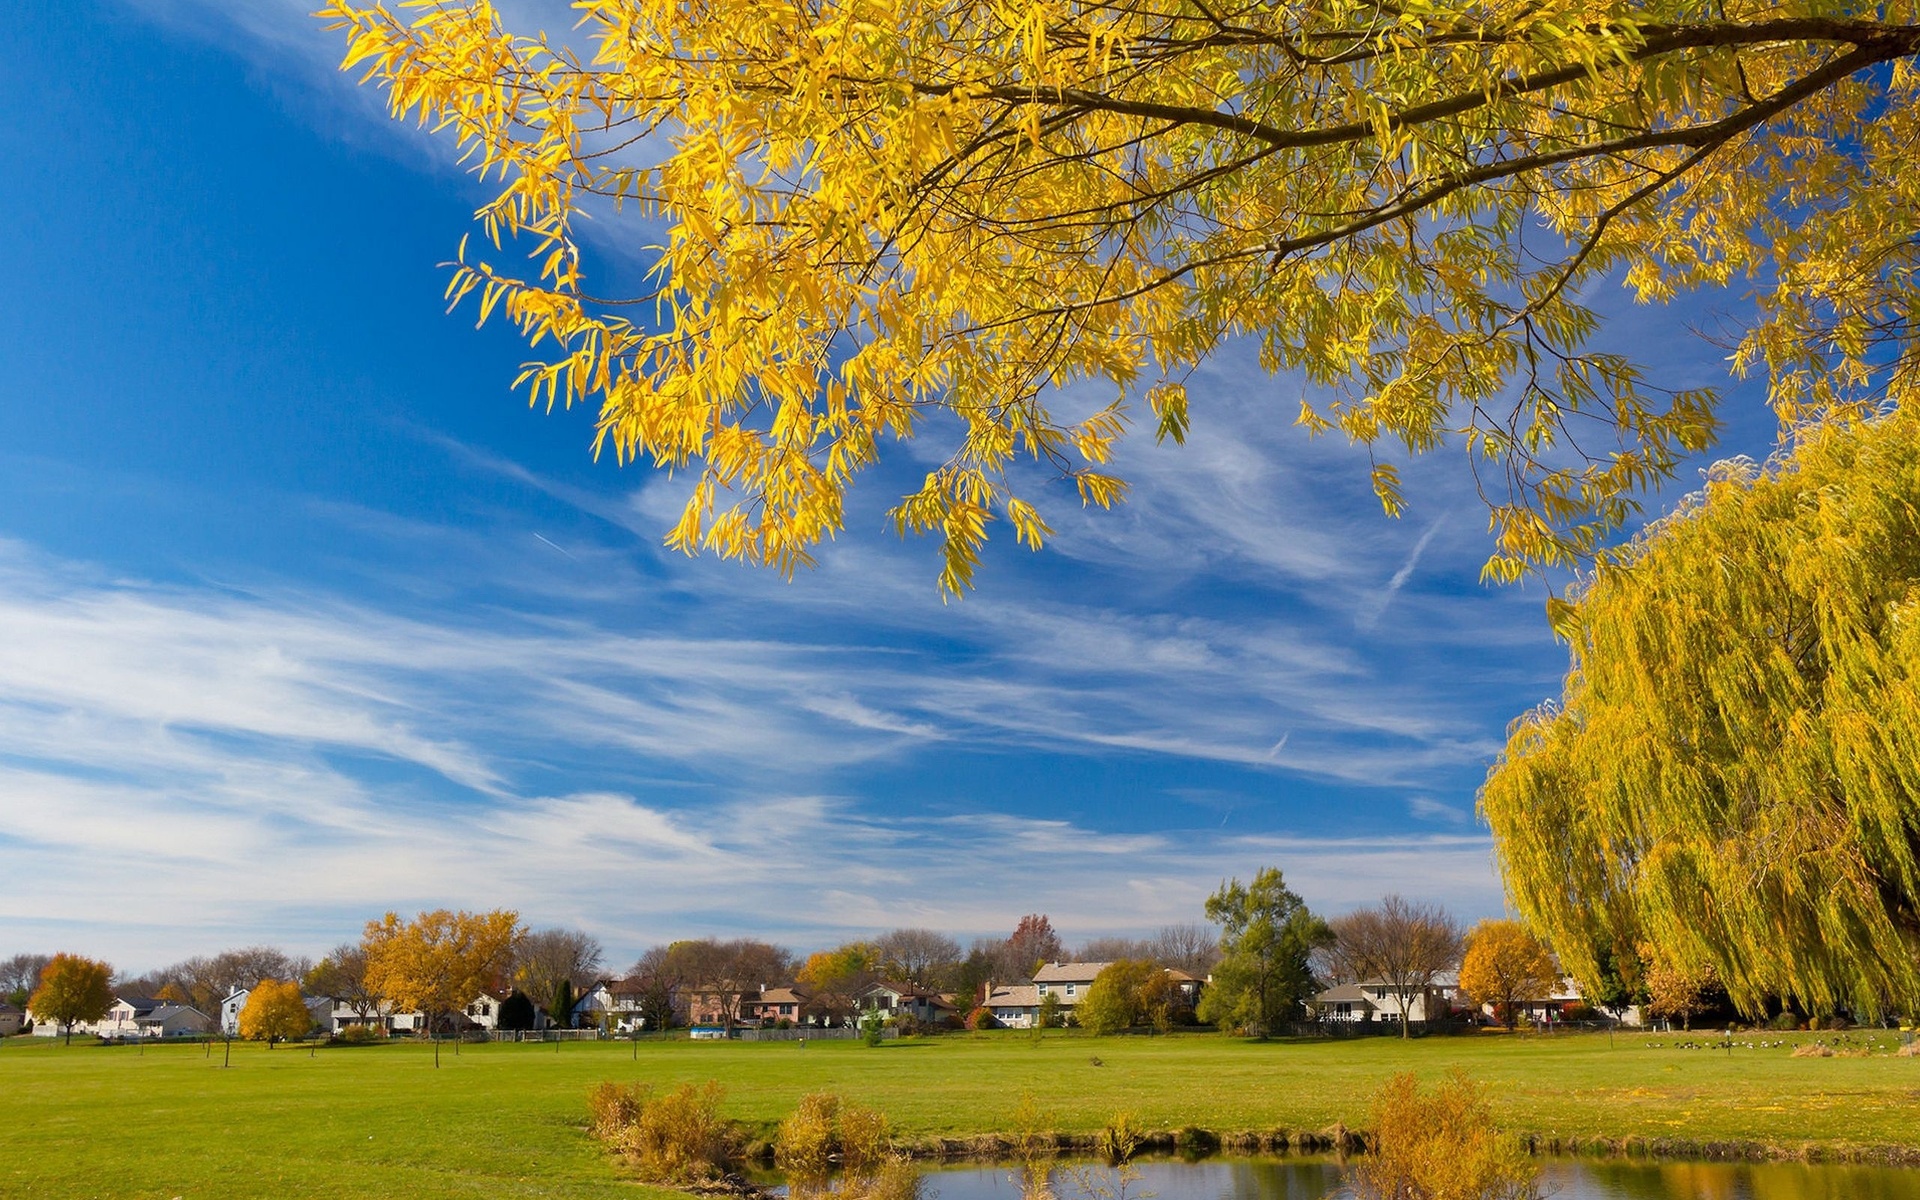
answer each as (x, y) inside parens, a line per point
(870, 220)
(275, 1011)
(72, 989)
(1732, 775)
(1505, 963)
(1440, 1144)
(439, 960)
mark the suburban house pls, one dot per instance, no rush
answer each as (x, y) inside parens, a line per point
(777, 1004)
(611, 1004)
(172, 1020)
(123, 1019)
(906, 999)
(1016, 1007)
(11, 1019)
(1067, 982)
(1375, 1000)
(230, 1011)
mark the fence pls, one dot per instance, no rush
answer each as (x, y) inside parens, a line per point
(840, 1034)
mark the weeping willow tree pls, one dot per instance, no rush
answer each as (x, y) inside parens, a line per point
(1733, 775)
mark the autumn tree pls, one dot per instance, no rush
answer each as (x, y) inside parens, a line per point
(437, 961)
(1032, 943)
(275, 1011)
(1677, 990)
(863, 215)
(1267, 936)
(71, 989)
(836, 977)
(1403, 944)
(1732, 775)
(1505, 964)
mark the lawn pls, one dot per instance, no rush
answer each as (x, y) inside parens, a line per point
(505, 1121)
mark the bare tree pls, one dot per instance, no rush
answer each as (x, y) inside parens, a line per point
(663, 978)
(19, 975)
(1402, 943)
(923, 957)
(727, 972)
(543, 958)
(342, 975)
(1193, 947)
(1114, 949)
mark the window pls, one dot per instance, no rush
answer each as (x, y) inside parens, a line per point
(1069, 989)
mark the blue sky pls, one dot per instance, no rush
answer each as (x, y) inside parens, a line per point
(304, 617)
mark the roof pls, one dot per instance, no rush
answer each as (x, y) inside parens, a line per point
(1024, 995)
(783, 995)
(167, 1012)
(1073, 972)
(1343, 992)
(7, 1008)
(631, 986)
(138, 1004)
(1179, 976)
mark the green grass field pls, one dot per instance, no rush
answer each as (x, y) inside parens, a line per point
(505, 1121)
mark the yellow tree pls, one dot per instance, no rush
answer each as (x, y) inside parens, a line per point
(437, 961)
(72, 989)
(870, 219)
(1504, 964)
(1733, 773)
(275, 1011)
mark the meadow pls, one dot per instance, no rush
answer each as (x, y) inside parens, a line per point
(506, 1121)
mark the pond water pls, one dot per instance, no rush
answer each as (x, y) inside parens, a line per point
(1561, 1179)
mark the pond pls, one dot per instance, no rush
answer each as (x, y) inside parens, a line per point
(1562, 1179)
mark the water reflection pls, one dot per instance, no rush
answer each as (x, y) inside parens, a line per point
(1319, 1179)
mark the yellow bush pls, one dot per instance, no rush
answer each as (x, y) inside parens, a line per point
(676, 1138)
(1440, 1145)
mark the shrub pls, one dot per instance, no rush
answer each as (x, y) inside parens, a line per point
(866, 1143)
(1120, 1138)
(1440, 1145)
(804, 1144)
(1785, 1022)
(678, 1138)
(873, 1028)
(360, 1035)
(982, 1018)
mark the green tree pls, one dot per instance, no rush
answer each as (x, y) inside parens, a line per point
(517, 1013)
(72, 989)
(275, 1011)
(872, 211)
(1732, 775)
(1267, 937)
(1123, 995)
(561, 1010)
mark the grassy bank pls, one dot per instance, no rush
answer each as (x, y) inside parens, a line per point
(505, 1120)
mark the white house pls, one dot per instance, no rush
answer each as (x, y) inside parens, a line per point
(230, 1011)
(1376, 1000)
(612, 1004)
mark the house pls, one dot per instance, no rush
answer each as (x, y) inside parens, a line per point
(1016, 1007)
(906, 999)
(11, 1019)
(483, 1011)
(230, 1011)
(1067, 983)
(123, 1018)
(1376, 1000)
(173, 1020)
(777, 1004)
